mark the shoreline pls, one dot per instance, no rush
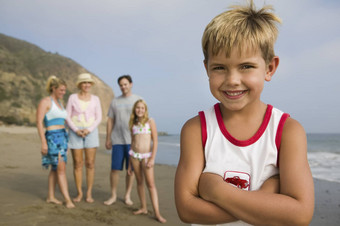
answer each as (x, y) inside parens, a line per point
(23, 190)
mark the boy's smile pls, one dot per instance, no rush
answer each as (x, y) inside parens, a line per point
(234, 94)
(237, 81)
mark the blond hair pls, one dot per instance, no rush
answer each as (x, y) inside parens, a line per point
(239, 26)
(134, 118)
(54, 82)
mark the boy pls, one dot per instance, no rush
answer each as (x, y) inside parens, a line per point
(231, 153)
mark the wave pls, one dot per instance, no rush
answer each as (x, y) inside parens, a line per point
(325, 165)
(169, 144)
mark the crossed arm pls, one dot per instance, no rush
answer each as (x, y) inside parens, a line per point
(207, 199)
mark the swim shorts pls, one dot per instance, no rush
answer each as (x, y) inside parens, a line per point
(120, 152)
(77, 142)
(57, 145)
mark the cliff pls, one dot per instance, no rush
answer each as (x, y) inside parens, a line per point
(24, 69)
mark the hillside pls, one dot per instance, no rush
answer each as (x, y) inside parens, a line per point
(24, 69)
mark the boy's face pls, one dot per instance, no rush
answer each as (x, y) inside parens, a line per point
(237, 81)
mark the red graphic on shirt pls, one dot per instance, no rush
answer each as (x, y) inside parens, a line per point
(238, 179)
(238, 182)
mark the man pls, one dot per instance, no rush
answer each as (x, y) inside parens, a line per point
(118, 137)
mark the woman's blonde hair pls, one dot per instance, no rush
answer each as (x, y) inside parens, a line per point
(54, 82)
(134, 118)
(240, 27)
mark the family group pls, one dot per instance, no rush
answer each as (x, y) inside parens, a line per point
(131, 135)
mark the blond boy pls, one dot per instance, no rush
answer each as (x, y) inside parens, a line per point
(233, 153)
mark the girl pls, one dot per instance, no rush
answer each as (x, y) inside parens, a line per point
(142, 160)
(54, 141)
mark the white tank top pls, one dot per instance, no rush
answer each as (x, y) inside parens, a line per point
(245, 164)
(55, 116)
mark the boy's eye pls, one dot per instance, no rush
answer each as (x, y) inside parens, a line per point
(246, 66)
(218, 68)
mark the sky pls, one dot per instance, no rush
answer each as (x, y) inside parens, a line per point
(158, 42)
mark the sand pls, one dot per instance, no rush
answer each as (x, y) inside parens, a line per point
(23, 190)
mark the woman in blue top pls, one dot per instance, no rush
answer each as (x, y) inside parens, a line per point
(52, 114)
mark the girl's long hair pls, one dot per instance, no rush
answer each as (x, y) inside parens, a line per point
(134, 119)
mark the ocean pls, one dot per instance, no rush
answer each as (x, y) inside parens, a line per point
(323, 154)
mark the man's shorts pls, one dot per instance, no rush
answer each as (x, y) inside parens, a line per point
(77, 142)
(120, 152)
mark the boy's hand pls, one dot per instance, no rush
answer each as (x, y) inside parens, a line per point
(271, 185)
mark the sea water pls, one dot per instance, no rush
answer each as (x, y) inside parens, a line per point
(323, 154)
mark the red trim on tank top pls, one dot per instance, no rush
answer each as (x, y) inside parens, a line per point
(253, 139)
(203, 128)
(279, 135)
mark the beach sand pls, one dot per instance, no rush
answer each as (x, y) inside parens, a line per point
(23, 190)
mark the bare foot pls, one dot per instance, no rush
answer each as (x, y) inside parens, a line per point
(140, 211)
(54, 201)
(161, 219)
(128, 202)
(78, 198)
(110, 201)
(89, 200)
(69, 204)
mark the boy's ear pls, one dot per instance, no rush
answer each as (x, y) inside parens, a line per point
(205, 65)
(271, 68)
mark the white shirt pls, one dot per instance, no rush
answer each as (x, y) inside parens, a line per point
(244, 164)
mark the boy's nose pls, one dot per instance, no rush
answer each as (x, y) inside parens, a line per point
(233, 78)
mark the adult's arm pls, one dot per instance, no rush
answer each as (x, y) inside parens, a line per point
(42, 109)
(109, 127)
(70, 103)
(98, 114)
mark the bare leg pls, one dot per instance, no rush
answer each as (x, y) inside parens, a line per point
(114, 179)
(129, 183)
(140, 186)
(150, 182)
(52, 182)
(62, 181)
(90, 156)
(77, 155)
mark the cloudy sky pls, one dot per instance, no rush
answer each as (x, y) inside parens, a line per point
(158, 42)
